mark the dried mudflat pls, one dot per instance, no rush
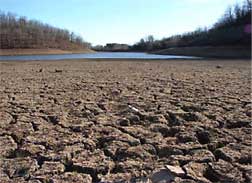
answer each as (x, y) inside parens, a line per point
(119, 121)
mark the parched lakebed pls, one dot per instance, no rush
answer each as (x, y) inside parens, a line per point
(138, 121)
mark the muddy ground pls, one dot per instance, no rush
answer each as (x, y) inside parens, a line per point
(138, 121)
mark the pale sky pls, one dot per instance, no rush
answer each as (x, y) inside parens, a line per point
(121, 21)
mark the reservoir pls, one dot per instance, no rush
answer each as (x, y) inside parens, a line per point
(97, 55)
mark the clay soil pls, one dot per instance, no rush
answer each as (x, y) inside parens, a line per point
(136, 121)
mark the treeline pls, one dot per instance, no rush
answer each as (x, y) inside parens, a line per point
(114, 47)
(233, 29)
(18, 32)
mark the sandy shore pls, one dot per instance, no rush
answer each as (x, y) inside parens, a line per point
(11, 52)
(91, 121)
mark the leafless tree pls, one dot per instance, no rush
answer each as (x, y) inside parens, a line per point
(18, 32)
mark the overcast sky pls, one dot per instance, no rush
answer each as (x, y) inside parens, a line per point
(122, 21)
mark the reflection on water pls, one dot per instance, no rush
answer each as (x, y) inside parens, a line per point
(98, 55)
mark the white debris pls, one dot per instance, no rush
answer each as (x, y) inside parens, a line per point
(176, 170)
(133, 108)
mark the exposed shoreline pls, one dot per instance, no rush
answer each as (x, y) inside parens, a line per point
(204, 52)
(16, 52)
(209, 52)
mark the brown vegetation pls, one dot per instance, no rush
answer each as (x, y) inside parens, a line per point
(20, 33)
(233, 29)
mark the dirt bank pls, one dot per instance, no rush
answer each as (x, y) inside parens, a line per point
(6, 52)
(90, 121)
(209, 52)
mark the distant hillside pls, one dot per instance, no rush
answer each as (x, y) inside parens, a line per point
(234, 52)
(233, 29)
(20, 33)
(113, 47)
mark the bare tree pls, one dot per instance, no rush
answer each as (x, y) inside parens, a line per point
(18, 32)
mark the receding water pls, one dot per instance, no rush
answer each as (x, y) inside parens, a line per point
(98, 55)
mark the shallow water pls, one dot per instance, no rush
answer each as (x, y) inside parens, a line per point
(98, 55)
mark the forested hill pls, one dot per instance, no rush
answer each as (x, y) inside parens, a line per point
(233, 29)
(20, 33)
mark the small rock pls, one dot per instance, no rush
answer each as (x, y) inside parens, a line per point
(202, 156)
(176, 170)
(124, 122)
(191, 107)
(203, 136)
(161, 128)
(150, 149)
(115, 92)
(142, 134)
(132, 167)
(50, 167)
(53, 119)
(34, 181)
(7, 146)
(92, 162)
(238, 123)
(102, 106)
(5, 119)
(223, 171)
(179, 117)
(156, 119)
(174, 118)
(186, 136)
(247, 171)
(165, 150)
(58, 70)
(227, 154)
(162, 176)
(196, 171)
(30, 148)
(134, 119)
(249, 113)
(19, 167)
(180, 180)
(180, 159)
(117, 177)
(113, 147)
(134, 152)
(71, 177)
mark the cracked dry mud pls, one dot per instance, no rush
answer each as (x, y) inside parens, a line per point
(125, 121)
